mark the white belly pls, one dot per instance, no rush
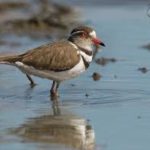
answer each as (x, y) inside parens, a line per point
(52, 75)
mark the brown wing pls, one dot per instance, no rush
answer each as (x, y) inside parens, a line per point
(58, 56)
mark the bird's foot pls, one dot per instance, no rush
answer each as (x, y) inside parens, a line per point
(32, 84)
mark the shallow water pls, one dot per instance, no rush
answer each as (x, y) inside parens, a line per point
(117, 108)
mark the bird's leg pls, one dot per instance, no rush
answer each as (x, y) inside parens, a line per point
(52, 91)
(31, 80)
(54, 88)
(57, 86)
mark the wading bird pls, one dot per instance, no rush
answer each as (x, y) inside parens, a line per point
(58, 61)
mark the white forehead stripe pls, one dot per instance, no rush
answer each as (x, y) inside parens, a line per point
(77, 32)
(93, 34)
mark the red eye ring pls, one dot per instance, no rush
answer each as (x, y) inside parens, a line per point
(84, 35)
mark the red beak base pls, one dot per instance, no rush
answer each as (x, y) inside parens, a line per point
(97, 42)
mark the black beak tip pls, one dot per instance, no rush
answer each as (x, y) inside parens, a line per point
(102, 44)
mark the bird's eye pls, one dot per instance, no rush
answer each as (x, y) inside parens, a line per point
(84, 35)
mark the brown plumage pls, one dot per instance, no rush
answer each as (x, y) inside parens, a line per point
(47, 57)
(10, 59)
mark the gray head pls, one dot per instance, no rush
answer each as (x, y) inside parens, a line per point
(85, 36)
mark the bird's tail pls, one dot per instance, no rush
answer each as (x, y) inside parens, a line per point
(9, 59)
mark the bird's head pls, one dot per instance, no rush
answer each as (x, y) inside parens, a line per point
(85, 36)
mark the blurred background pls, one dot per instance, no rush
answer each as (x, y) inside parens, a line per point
(106, 108)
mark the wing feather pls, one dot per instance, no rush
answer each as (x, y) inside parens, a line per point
(58, 56)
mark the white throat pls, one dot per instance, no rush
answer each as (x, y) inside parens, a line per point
(84, 48)
(88, 58)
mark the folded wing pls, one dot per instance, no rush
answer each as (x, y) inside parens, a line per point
(58, 56)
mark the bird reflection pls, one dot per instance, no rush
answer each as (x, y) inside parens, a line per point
(59, 127)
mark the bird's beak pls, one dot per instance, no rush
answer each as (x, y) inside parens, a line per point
(97, 42)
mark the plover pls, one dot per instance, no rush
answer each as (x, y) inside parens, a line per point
(58, 61)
